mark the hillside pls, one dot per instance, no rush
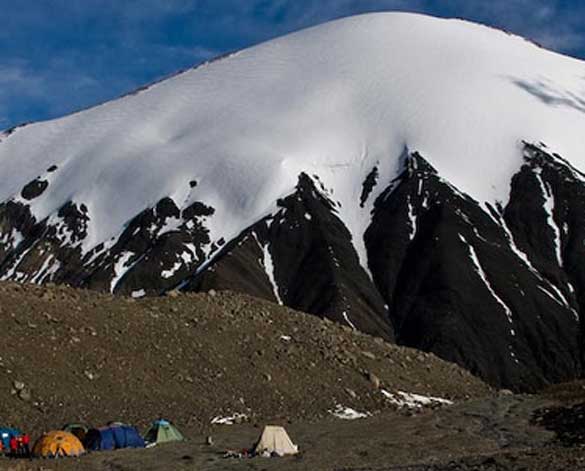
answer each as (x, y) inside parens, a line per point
(73, 355)
(416, 178)
(77, 355)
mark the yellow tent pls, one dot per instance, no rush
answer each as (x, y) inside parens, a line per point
(58, 444)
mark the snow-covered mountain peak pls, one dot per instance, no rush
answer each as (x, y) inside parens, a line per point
(336, 100)
(351, 171)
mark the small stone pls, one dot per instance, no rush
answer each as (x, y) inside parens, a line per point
(212, 293)
(89, 375)
(351, 393)
(18, 385)
(369, 355)
(267, 377)
(374, 380)
(173, 293)
(25, 395)
(209, 441)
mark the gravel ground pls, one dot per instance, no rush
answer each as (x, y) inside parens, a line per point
(495, 433)
(80, 356)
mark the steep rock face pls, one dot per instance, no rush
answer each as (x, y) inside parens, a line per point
(457, 285)
(496, 290)
(157, 247)
(303, 257)
(545, 215)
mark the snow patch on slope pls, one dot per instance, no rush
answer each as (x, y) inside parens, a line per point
(171, 271)
(230, 419)
(347, 413)
(549, 206)
(268, 265)
(121, 267)
(413, 401)
(412, 220)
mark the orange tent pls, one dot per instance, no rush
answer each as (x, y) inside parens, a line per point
(58, 444)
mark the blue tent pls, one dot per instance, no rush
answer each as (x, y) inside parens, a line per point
(99, 439)
(114, 437)
(127, 437)
(6, 434)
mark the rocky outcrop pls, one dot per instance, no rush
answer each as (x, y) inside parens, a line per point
(457, 284)
(302, 257)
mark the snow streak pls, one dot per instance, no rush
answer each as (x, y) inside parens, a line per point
(346, 318)
(557, 296)
(411, 220)
(121, 268)
(481, 272)
(549, 206)
(268, 265)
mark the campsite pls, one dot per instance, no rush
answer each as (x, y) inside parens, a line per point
(222, 366)
(490, 434)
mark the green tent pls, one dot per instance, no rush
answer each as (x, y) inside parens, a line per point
(162, 431)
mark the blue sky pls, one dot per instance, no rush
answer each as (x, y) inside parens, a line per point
(57, 56)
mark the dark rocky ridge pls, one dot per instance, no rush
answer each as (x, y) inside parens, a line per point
(496, 290)
(34, 189)
(320, 275)
(499, 319)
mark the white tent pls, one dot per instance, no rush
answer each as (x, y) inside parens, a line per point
(275, 440)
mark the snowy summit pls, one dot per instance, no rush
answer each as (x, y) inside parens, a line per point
(335, 100)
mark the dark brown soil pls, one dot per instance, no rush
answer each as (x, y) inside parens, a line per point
(87, 357)
(78, 356)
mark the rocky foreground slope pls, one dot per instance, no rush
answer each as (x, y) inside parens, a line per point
(77, 355)
(415, 178)
(74, 355)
